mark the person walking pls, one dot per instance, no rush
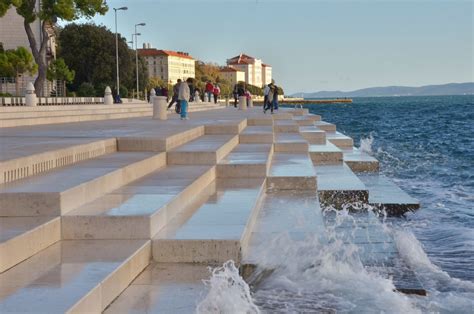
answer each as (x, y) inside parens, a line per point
(275, 97)
(269, 99)
(216, 92)
(174, 99)
(209, 90)
(235, 93)
(266, 90)
(183, 97)
(248, 96)
(164, 92)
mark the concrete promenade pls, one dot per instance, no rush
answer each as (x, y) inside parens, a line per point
(124, 214)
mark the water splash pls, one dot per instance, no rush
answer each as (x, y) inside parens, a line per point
(228, 292)
(366, 144)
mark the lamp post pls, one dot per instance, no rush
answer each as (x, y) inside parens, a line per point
(136, 54)
(116, 47)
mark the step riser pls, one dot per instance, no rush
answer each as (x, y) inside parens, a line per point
(27, 244)
(242, 170)
(35, 164)
(291, 147)
(338, 199)
(305, 122)
(225, 129)
(292, 183)
(282, 116)
(342, 143)
(314, 138)
(260, 122)
(327, 127)
(326, 158)
(202, 158)
(53, 204)
(286, 128)
(132, 227)
(256, 138)
(370, 166)
(103, 294)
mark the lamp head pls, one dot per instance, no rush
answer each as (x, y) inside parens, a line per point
(121, 8)
(141, 24)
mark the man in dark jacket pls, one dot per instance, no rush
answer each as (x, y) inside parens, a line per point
(174, 99)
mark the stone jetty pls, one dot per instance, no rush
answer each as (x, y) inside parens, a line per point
(104, 209)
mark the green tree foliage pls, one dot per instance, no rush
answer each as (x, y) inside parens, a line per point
(48, 14)
(15, 63)
(89, 50)
(58, 70)
(86, 90)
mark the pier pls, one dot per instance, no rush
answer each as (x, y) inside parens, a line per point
(103, 209)
(302, 101)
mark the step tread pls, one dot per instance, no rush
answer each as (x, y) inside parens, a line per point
(55, 279)
(222, 216)
(338, 177)
(11, 227)
(291, 165)
(258, 129)
(248, 154)
(205, 143)
(144, 196)
(324, 148)
(289, 138)
(62, 179)
(382, 190)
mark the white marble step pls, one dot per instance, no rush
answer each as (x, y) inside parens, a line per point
(63, 189)
(312, 134)
(257, 135)
(40, 154)
(141, 208)
(285, 126)
(22, 237)
(326, 126)
(340, 140)
(73, 276)
(291, 171)
(215, 228)
(360, 161)
(327, 153)
(290, 143)
(246, 161)
(338, 185)
(206, 150)
(167, 288)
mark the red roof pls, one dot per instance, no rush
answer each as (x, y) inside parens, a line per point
(229, 69)
(266, 65)
(241, 59)
(156, 52)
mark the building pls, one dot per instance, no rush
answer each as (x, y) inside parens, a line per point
(256, 72)
(232, 75)
(168, 65)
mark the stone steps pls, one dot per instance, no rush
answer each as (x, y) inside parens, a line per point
(141, 208)
(246, 161)
(22, 237)
(360, 161)
(257, 135)
(290, 142)
(66, 111)
(205, 150)
(290, 171)
(63, 189)
(285, 126)
(73, 276)
(386, 196)
(44, 154)
(338, 185)
(313, 135)
(325, 126)
(214, 228)
(340, 140)
(327, 153)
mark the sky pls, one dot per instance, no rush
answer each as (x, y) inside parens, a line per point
(316, 45)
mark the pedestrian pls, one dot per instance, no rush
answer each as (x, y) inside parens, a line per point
(164, 92)
(266, 90)
(270, 99)
(183, 96)
(174, 98)
(248, 96)
(209, 90)
(235, 93)
(275, 97)
(216, 92)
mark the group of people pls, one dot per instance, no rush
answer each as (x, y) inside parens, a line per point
(183, 92)
(270, 97)
(240, 89)
(212, 90)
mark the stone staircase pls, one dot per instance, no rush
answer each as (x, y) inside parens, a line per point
(82, 217)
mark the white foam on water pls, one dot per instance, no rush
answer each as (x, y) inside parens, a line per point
(227, 292)
(366, 144)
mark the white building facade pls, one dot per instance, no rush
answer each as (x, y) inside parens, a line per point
(232, 75)
(168, 65)
(256, 72)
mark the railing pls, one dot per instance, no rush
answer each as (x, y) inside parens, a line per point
(52, 101)
(9, 85)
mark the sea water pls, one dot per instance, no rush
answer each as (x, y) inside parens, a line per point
(425, 145)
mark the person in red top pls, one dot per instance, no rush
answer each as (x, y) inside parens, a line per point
(216, 92)
(209, 90)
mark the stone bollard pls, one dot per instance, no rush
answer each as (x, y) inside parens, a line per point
(242, 103)
(108, 99)
(30, 97)
(152, 95)
(159, 108)
(250, 102)
(205, 98)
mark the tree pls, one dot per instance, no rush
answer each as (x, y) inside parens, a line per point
(48, 14)
(58, 70)
(16, 62)
(89, 50)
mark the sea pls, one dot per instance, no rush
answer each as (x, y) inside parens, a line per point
(426, 146)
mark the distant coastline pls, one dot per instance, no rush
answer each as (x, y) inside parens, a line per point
(396, 91)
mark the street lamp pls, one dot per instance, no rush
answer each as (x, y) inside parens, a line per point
(136, 54)
(116, 48)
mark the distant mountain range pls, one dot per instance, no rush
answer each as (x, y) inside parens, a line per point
(429, 90)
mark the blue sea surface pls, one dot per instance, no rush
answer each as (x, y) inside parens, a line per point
(426, 145)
